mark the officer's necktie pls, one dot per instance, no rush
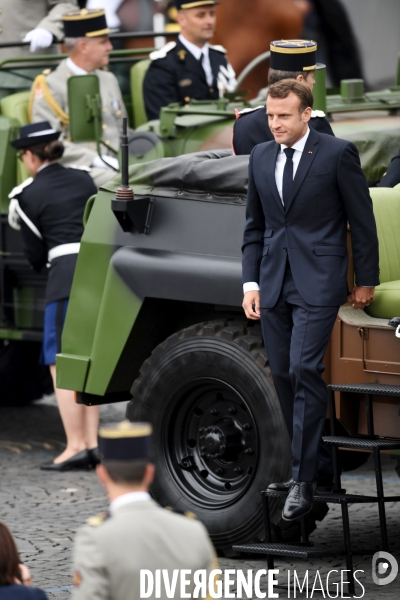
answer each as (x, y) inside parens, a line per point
(287, 180)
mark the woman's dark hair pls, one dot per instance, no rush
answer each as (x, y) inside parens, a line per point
(9, 559)
(48, 151)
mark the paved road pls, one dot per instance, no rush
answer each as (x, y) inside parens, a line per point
(43, 510)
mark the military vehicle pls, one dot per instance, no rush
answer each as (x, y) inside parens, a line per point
(155, 315)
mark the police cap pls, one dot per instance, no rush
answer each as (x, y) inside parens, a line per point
(125, 441)
(183, 4)
(85, 23)
(34, 134)
(294, 55)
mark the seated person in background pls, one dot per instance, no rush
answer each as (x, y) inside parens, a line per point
(88, 46)
(392, 175)
(290, 59)
(15, 579)
(189, 68)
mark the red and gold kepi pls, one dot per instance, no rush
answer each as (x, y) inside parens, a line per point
(294, 55)
(185, 4)
(85, 23)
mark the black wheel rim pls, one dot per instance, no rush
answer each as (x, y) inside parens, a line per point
(210, 442)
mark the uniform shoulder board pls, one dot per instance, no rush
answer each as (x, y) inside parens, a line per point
(218, 49)
(246, 111)
(98, 519)
(186, 513)
(317, 113)
(162, 53)
(46, 72)
(19, 188)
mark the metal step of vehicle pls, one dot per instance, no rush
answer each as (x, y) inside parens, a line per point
(361, 443)
(276, 549)
(367, 388)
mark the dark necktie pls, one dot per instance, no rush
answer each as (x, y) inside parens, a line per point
(287, 180)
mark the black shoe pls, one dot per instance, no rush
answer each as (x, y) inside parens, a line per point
(94, 457)
(280, 488)
(299, 501)
(77, 461)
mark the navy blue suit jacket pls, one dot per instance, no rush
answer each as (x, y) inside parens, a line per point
(328, 190)
(21, 592)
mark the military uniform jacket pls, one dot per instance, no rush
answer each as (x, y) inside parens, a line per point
(175, 75)
(53, 206)
(110, 553)
(251, 128)
(113, 110)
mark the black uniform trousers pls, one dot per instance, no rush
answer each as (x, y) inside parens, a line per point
(296, 335)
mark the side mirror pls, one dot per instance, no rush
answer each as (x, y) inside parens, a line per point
(84, 108)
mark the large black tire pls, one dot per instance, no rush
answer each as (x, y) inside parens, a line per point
(219, 434)
(22, 379)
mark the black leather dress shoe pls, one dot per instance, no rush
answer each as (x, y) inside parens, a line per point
(299, 501)
(394, 322)
(94, 457)
(280, 488)
(77, 461)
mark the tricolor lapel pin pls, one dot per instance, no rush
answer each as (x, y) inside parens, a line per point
(310, 152)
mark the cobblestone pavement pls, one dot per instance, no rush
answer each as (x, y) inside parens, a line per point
(44, 510)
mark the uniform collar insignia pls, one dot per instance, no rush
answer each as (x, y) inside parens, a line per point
(182, 54)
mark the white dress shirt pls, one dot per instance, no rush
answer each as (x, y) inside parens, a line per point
(197, 52)
(298, 147)
(74, 68)
(128, 498)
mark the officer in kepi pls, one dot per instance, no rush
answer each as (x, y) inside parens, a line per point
(135, 533)
(190, 68)
(290, 59)
(88, 46)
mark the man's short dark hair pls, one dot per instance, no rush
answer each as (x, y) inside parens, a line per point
(283, 88)
(126, 471)
(275, 75)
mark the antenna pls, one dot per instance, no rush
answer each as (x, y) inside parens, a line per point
(124, 192)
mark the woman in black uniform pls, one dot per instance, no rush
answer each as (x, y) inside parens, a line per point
(50, 208)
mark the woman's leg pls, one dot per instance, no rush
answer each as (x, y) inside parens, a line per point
(73, 418)
(91, 425)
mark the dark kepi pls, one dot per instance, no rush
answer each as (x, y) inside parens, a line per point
(294, 55)
(125, 441)
(85, 23)
(34, 134)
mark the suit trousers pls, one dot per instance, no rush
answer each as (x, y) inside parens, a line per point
(296, 335)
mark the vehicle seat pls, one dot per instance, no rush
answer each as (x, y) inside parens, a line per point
(138, 72)
(15, 106)
(386, 203)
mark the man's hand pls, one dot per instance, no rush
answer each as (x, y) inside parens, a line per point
(361, 296)
(251, 305)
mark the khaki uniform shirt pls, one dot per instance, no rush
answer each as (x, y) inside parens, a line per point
(113, 109)
(109, 554)
(17, 17)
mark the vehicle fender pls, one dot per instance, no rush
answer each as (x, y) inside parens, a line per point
(180, 276)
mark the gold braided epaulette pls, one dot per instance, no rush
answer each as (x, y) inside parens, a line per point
(98, 519)
(41, 83)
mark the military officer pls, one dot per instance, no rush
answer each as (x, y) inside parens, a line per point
(290, 59)
(190, 68)
(88, 45)
(392, 175)
(135, 534)
(16, 20)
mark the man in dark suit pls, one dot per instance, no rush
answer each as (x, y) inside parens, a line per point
(392, 175)
(303, 189)
(190, 68)
(290, 59)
